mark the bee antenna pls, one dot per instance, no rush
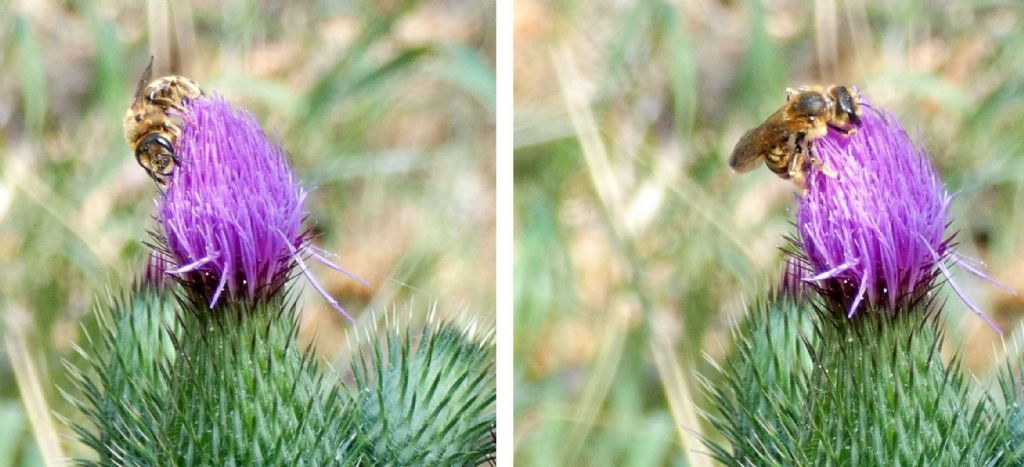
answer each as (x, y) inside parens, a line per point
(873, 109)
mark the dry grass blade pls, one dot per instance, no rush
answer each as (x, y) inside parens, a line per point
(610, 192)
(678, 393)
(184, 37)
(31, 389)
(606, 183)
(860, 32)
(21, 175)
(826, 43)
(158, 18)
(705, 206)
(599, 380)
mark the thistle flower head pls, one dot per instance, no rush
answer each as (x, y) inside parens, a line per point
(791, 283)
(876, 232)
(154, 273)
(231, 216)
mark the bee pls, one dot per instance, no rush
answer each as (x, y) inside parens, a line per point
(149, 129)
(785, 141)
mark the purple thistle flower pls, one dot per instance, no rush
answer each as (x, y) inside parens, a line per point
(876, 232)
(231, 216)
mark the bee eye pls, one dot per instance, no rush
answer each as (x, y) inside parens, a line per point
(844, 99)
(157, 139)
(811, 103)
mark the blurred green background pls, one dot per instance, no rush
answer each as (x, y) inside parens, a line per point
(637, 249)
(386, 109)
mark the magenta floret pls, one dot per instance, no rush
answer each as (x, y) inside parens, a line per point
(232, 214)
(877, 231)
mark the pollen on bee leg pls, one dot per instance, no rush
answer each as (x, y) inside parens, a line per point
(824, 168)
(796, 172)
(800, 181)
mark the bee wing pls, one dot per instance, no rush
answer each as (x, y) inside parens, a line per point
(761, 140)
(147, 76)
(747, 154)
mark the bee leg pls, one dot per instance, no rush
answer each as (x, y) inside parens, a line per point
(172, 132)
(796, 171)
(168, 103)
(844, 130)
(819, 163)
(795, 146)
(801, 184)
(796, 164)
(157, 96)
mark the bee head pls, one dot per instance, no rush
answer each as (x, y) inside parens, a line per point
(847, 106)
(156, 154)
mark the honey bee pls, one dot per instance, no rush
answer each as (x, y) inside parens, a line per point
(148, 127)
(785, 141)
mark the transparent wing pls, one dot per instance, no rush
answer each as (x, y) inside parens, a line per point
(147, 76)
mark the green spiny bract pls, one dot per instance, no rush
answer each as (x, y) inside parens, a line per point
(426, 399)
(869, 391)
(1011, 403)
(885, 396)
(252, 397)
(167, 385)
(122, 387)
(759, 391)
